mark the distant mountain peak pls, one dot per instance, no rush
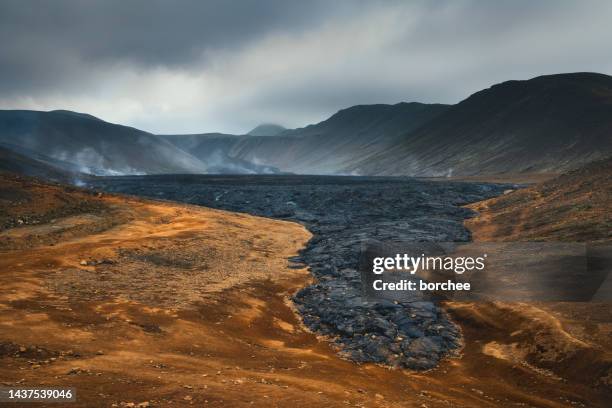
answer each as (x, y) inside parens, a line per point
(267, 129)
(75, 114)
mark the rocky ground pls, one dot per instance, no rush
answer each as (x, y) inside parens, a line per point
(342, 213)
(575, 207)
(136, 303)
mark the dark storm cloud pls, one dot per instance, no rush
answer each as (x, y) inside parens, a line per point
(187, 66)
(45, 40)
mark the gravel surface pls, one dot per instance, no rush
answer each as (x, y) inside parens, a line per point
(343, 212)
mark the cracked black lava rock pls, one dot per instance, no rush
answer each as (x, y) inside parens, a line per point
(342, 212)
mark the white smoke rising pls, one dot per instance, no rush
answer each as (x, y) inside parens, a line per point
(89, 161)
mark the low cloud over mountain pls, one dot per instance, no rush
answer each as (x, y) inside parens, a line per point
(548, 124)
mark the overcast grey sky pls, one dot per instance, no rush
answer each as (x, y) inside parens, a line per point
(199, 66)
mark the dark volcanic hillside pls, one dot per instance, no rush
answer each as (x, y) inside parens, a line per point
(546, 124)
(13, 162)
(267, 129)
(331, 146)
(324, 148)
(93, 145)
(214, 150)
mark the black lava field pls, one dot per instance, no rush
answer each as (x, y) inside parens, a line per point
(342, 212)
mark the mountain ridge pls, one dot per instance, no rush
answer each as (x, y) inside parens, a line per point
(95, 146)
(547, 124)
(550, 123)
(331, 145)
(267, 129)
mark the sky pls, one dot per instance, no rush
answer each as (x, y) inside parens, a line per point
(187, 66)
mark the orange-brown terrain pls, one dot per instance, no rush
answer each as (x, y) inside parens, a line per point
(145, 303)
(575, 207)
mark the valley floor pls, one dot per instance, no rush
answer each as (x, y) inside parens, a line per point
(138, 302)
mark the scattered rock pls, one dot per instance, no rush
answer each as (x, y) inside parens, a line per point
(341, 213)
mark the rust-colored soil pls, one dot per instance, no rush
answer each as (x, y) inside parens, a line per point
(141, 302)
(570, 340)
(574, 207)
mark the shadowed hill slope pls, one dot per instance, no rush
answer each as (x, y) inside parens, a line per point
(267, 129)
(332, 145)
(324, 148)
(576, 206)
(547, 124)
(93, 145)
(214, 150)
(13, 162)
